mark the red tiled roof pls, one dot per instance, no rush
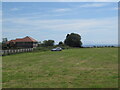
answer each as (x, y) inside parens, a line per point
(26, 39)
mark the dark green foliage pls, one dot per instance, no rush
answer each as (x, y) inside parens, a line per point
(61, 43)
(4, 40)
(48, 42)
(73, 40)
(9, 46)
(4, 46)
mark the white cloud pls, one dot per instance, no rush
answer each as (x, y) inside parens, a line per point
(115, 8)
(83, 25)
(93, 5)
(14, 9)
(90, 29)
(62, 10)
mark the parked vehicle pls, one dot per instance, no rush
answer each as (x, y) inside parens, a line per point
(57, 49)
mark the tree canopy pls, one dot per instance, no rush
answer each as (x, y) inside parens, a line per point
(61, 43)
(48, 42)
(73, 40)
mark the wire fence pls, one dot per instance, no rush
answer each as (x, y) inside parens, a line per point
(14, 51)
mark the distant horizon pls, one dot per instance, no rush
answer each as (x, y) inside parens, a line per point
(99, 44)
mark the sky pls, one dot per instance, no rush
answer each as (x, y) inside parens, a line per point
(0, 21)
(60, 0)
(96, 22)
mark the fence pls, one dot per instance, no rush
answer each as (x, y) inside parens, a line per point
(14, 51)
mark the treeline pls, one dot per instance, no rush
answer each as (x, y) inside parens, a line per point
(47, 43)
(72, 40)
(100, 46)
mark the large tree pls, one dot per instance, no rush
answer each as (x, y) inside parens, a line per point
(73, 40)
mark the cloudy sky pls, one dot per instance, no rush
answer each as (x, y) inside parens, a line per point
(96, 22)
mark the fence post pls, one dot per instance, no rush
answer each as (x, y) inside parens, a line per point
(8, 51)
(11, 51)
(18, 50)
(5, 52)
(2, 52)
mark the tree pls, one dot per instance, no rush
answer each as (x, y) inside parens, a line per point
(61, 43)
(73, 40)
(4, 40)
(48, 42)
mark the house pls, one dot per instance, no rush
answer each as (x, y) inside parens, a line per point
(26, 42)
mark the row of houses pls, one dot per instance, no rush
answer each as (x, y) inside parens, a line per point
(26, 42)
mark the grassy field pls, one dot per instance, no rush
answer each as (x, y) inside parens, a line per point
(71, 68)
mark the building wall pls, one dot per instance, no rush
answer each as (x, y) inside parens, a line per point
(26, 44)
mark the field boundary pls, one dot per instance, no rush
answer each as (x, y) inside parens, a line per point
(15, 51)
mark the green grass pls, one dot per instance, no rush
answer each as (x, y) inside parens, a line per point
(71, 68)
